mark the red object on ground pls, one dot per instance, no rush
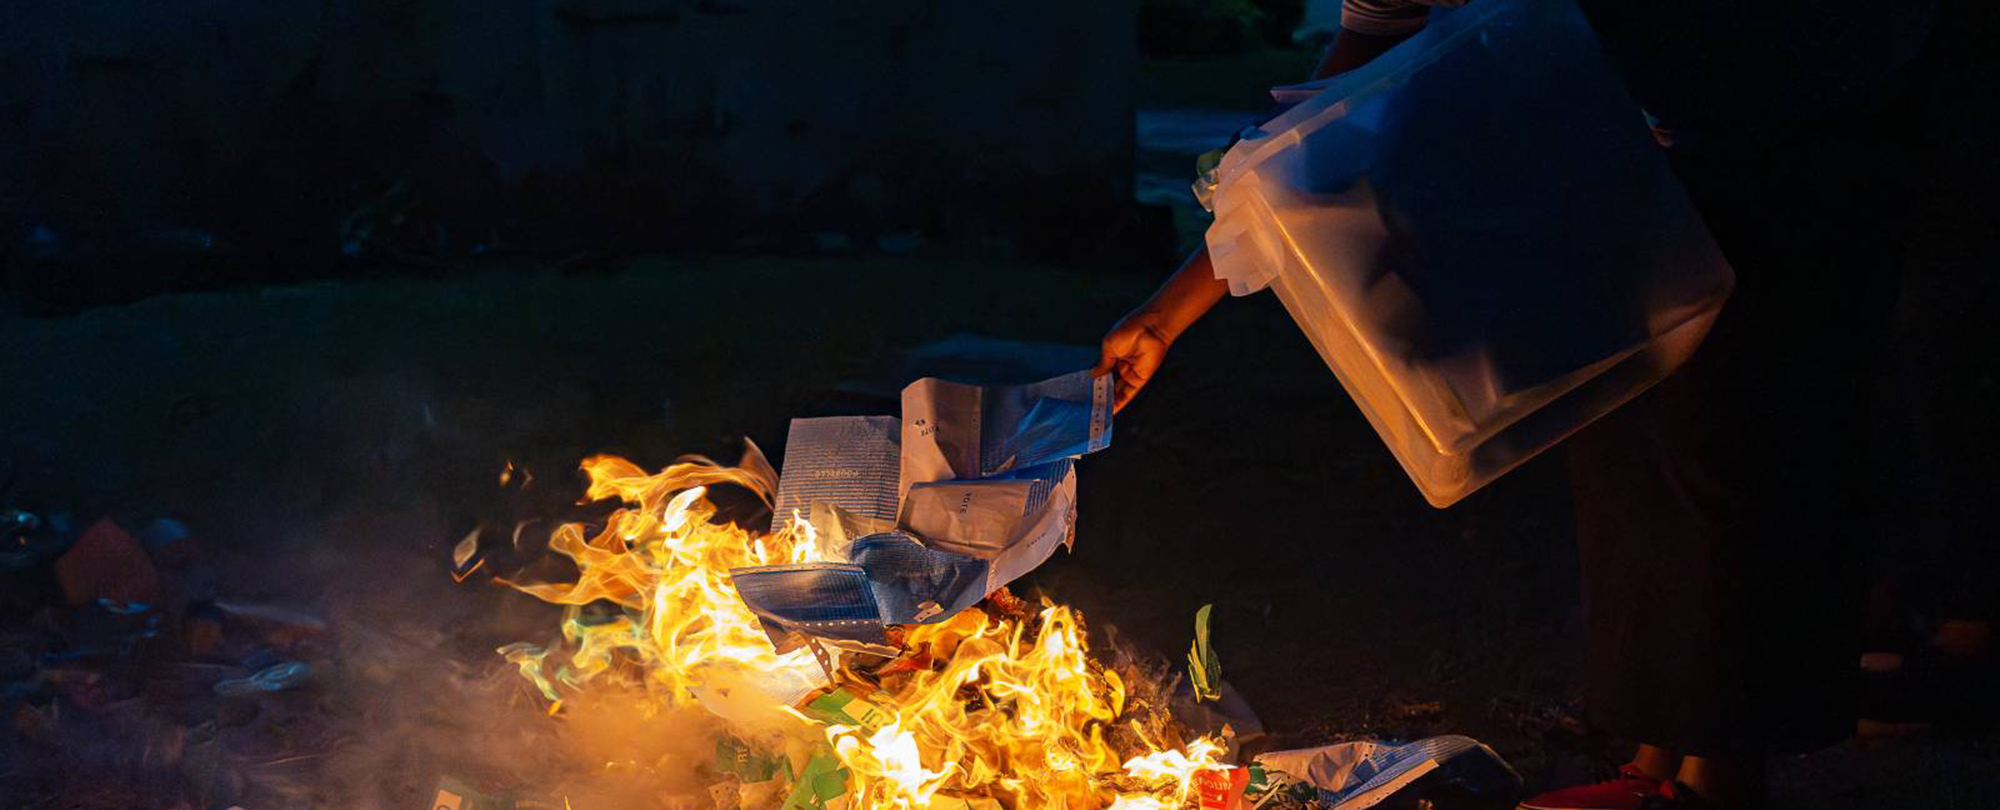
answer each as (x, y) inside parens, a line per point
(1221, 789)
(1630, 791)
(106, 563)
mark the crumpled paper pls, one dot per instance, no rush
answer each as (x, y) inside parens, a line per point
(921, 517)
(1364, 773)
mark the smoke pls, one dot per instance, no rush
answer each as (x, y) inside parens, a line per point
(407, 690)
(426, 697)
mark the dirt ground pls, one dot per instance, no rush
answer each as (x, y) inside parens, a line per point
(328, 443)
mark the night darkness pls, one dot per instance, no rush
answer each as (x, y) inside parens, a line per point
(309, 312)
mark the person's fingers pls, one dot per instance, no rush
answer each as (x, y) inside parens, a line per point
(1107, 357)
(1131, 355)
(1130, 374)
(1131, 378)
(1117, 345)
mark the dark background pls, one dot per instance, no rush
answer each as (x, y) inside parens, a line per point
(305, 275)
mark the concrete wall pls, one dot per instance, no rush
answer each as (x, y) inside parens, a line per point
(446, 128)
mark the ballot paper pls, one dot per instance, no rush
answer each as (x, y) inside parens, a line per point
(1364, 773)
(958, 431)
(921, 517)
(893, 579)
(1014, 520)
(840, 474)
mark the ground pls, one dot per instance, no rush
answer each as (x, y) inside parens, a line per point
(328, 444)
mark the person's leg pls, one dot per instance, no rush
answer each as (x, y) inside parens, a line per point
(1719, 572)
(1653, 499)
(1937, 552)
(1720, 515)
(1733, 782)
(1655, 762)
(1637, 784)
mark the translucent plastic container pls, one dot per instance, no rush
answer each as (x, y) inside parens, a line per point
(1480, 237)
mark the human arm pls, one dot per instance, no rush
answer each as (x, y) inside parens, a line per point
(1352, 49)
(1137, 345)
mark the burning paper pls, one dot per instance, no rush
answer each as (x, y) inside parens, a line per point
(1014, 521)
(987, 491)
(841, 474)
(681, 632)
(999, 705)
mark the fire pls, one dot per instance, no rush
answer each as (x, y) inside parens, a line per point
(666, 565)
(1010, 710)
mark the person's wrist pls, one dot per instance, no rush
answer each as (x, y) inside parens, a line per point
(1159, 323)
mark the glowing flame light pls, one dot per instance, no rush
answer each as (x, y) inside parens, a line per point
(985, 707)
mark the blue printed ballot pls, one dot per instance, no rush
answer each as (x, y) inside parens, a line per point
(921, 517)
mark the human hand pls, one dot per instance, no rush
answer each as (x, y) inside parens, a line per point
(1133, 349)
(1137, 345)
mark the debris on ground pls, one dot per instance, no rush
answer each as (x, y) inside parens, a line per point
(277, 625)
(1447, 771)
(274, 678)
(107, 563)
(169, 542)
(1204, 671)
(453, 794)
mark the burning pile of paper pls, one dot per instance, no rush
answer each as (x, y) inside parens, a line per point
(888, 533)
(864, 653)
(920, 518)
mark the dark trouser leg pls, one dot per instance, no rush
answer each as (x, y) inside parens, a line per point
(1722, 515)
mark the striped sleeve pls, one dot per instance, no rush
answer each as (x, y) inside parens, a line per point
(1383, 18)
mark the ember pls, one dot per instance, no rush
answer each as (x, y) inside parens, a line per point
(999, 703)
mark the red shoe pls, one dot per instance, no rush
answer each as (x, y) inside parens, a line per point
(1676, 796)
(1632, 790)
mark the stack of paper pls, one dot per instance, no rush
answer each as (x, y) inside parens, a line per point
(921, 517)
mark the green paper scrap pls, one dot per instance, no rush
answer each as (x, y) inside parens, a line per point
(455, 795)
(842, 708)
(735, 756)
(1204, 672)
(821, 781)
(1259, 782)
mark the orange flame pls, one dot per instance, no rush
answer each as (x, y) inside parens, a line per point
(994, 707)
